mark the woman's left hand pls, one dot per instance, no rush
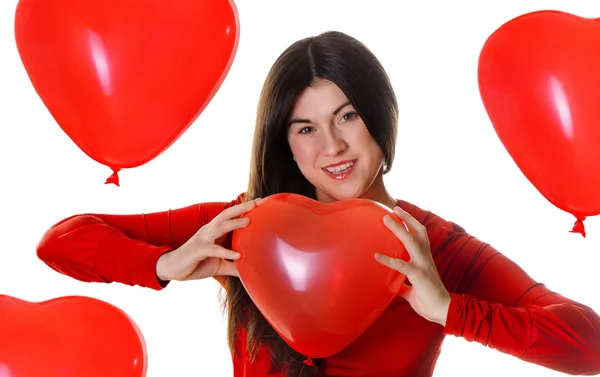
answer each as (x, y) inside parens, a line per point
(427, 294)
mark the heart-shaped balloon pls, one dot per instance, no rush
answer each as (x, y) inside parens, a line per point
(310, 269)
(69, 337)
(125, 79)
(539, 78)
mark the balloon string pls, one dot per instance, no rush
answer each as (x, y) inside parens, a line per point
(578, 227)
(307, 362)
(114, 178)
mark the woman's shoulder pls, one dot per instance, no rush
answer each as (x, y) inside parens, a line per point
(435, 224)
(423, 216)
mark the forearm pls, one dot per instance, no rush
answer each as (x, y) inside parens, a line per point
(122, 248)
(87, 249)
(564, 336)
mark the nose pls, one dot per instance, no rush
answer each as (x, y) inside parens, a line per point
(334, 143)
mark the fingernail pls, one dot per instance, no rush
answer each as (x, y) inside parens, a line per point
(387, 218)
(235, 255)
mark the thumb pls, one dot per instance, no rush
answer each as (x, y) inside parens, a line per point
(227, 268)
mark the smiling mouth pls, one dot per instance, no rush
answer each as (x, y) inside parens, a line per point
(340, 171)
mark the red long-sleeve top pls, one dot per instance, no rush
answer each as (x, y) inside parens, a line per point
(493, 301)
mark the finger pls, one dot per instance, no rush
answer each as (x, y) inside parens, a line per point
(235, 211)
(216, 251)
(413, 225)
(221, 229)
(227, 269)
(410, 241)
(399, 265)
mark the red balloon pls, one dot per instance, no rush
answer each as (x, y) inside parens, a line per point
(310, 269)
(69, 337)
(125, 79)
(539, 78)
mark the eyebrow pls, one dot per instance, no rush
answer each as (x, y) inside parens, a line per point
(335, 112)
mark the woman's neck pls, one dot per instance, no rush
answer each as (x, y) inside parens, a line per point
(378, 192)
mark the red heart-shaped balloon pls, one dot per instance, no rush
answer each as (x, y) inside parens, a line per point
(539, 78)
(69, 337)
(310, 269)
(124, 79)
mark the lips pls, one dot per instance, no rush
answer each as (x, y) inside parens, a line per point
(340, 170)
(339, 163)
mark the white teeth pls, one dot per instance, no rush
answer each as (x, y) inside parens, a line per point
(340, 168)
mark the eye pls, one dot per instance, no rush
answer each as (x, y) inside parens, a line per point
(305, 130)
(348, 116)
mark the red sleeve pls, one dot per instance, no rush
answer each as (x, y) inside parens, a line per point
(495, 303)
(122, 248)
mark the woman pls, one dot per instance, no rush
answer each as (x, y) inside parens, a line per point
(326, 128)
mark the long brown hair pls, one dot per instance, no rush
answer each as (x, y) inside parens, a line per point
(349, 64)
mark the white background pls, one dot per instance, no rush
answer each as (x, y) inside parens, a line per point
(449, 160)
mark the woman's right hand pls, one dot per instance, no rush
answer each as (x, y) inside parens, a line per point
(201, 256)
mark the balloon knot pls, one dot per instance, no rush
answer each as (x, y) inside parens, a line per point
(309, 362)
(578, 227)
(114, 178)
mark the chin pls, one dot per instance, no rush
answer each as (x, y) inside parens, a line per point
(341, 194)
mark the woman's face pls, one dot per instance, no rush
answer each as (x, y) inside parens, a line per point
(331, 144)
